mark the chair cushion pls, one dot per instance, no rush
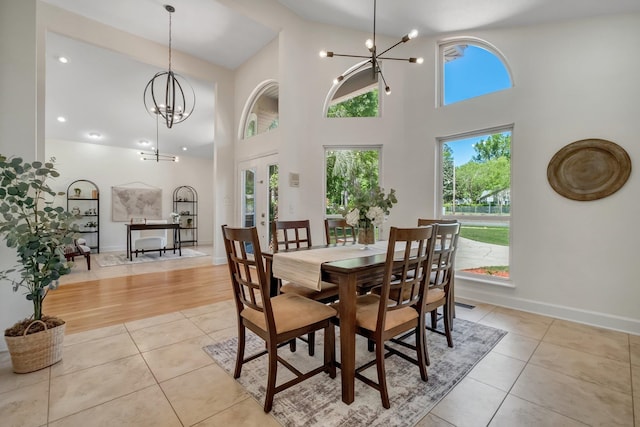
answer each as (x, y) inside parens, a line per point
(435, 294)
(149, 243)
(290, 312)
(367, 313)
(328, 290)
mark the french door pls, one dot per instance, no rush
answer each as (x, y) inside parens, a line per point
(259, 195)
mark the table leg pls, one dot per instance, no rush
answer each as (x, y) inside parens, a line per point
(129, 251)
(347, 294)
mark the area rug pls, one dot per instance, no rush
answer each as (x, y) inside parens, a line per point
(109, 259)
(317, 401)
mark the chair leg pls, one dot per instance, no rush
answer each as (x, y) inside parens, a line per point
(292, 345)
(272, 349)
(371, 345)
(434, 319)
(240, 354)
(311, 342)
(88, 257)
(447, 326)
(382, 378)
(421, 349)
(330, 350)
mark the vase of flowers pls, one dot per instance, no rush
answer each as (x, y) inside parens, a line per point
(367, 210)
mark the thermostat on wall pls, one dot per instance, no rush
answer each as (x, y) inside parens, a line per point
(294, 179)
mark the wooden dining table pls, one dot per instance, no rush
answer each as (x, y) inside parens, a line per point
(353, 276)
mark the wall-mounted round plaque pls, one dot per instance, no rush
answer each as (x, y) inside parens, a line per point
(589, 169)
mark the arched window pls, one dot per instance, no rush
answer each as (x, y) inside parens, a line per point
(356, 95)
(261, 110)
(470, 68)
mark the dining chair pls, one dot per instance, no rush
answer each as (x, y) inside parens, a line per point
(278, 319)
(451, 296)
(336, 230)
(296, 235)
(398, 306)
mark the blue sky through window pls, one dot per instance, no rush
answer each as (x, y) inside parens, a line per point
(476, 73)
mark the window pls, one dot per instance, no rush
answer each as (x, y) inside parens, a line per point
(476, 190)
(263, 115)
(356, 95)
(344, 169)
(471, 68)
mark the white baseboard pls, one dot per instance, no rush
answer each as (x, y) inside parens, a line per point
(593, 318)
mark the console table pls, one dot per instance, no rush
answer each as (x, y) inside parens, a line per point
(176, 235)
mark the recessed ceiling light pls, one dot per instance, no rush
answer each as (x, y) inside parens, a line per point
(184, 148)
(63, 59)
(143, 142)
(94, 135)
(61, 119)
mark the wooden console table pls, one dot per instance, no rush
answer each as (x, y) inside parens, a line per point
(176, 235)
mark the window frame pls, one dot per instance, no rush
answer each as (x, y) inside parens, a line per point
(440, 141)
(474, 41)
(247, 111)
(334, 88)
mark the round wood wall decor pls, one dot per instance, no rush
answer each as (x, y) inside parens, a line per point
(589, 169)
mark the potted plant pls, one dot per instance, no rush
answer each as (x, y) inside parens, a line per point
(38, 230)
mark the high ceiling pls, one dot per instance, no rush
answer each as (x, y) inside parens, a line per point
(101, 91)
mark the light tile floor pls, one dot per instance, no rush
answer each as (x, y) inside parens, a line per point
(153, 372)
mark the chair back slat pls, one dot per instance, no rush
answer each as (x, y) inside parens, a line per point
(336, 230)
(290, 234)
(404, 282)
(446, 245)
(246, 268)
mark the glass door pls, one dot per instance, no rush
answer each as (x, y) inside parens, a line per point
(259, 195)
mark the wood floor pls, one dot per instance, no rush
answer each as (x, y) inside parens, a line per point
(105, 302)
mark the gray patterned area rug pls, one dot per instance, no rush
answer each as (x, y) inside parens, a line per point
(109, 259)
(317, 401)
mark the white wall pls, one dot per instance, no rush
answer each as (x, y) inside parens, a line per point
(573, 80)
(112, 167)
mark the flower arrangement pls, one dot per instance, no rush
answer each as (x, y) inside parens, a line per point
(367, 209)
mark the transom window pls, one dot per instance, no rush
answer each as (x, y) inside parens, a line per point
(263, 115)
(471, 68)
(355, 96)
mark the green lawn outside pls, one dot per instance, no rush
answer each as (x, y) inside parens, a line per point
(486, 234)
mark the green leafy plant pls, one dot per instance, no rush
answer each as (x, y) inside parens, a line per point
(368, 207)
(38, 230)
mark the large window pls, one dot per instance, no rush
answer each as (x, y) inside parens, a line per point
(471, 68)
(345, 169)
(476, 190)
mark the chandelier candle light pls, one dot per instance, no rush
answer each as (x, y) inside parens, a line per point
(165, 93)
(374, 57)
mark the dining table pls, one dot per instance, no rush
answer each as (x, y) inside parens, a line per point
(353, 268)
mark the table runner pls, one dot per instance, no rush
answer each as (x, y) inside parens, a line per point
(304, 267)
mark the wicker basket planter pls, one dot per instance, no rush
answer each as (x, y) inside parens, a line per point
(36, 351)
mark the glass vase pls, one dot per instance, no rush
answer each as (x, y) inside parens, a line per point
(366, 235)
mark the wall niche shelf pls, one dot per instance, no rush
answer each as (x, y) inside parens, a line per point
(83, 200)
(185, 203)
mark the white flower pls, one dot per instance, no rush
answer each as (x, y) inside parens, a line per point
(376, 215)
(353, 217)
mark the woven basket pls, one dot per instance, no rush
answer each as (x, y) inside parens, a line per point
(36, 351)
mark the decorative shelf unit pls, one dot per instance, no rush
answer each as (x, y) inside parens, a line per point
(83, 200)
(185, 203)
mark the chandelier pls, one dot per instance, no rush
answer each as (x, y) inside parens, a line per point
(374, 57)
(164, 95)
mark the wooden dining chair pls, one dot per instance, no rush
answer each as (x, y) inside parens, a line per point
(336, 230)
(277, 320)
(451, 295)
(441, 279)
(297, 235)
(398, 306)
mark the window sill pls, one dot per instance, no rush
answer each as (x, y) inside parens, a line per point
(485, 279)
